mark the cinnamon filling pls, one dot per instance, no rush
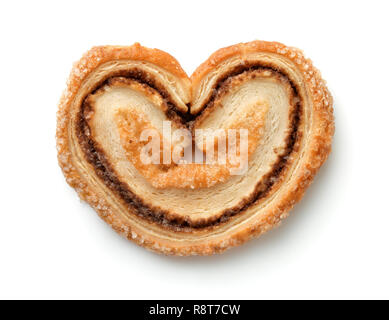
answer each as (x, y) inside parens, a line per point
(96, 157)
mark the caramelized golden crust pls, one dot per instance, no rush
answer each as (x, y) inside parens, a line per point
(316, 141)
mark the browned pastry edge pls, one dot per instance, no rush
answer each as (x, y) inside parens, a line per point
(318, 149)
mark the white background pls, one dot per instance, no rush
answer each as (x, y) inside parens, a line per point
(334, 244)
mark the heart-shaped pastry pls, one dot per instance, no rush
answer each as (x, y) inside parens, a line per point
(268, 92)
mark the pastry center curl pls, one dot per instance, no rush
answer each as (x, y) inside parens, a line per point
(173, 162)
